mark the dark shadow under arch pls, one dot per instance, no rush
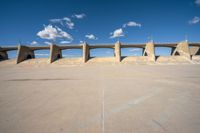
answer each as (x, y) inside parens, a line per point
(28, 56)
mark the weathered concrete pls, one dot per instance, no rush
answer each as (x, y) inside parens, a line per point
(55, 53)
(132, 99)
(149, 51)
(182, 49)
(24, 53)
(194, 50)
(118, 51)
(86, 52)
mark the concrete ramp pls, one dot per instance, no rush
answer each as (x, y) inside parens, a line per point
(196, 59)
(136, 60)
(35, 62)
(68, 61)
(172, 60)
(101, 60)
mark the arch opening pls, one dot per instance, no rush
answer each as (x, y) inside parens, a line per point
(131, 52)
(102, 52)
(163, 51)
(1, 57)
(12, 54)
(58, 56)
(42, 53)
(72, 53)
(28, 56)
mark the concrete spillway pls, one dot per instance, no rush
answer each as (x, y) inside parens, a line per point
(184, 49)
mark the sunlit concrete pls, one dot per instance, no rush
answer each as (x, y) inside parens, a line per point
(72, 99)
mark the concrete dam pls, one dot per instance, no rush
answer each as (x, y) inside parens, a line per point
(183, 50)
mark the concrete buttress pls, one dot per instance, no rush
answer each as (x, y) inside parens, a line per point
(55, 53)
(24, 53)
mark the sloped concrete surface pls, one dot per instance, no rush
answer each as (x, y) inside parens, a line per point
(95, 98)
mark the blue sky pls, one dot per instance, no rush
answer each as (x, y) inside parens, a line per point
(39, 22)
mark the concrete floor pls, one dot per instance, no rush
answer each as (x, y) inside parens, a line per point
(100, 98)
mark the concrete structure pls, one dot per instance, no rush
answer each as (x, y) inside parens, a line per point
(55, 53)
(149, 51)
(24, 53)
(86, 53)
(182, 49)
(118, 51)
(3, 52)
(27, 52)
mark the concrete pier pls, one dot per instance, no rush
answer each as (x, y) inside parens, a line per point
(86, 52)
(24, 53)
(149, 51)
(118, 51)
(3, 55)
(182, 49)
(55, 53)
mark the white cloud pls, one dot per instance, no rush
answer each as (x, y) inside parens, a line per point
(117, 33)
(34, 43)
(91, 36)
(55, 20)
(64, 42)
(48, 43)
(81, 41)
(64, 21)
(79, 16)
(132, 24)
(70, 24)
(52, 33)
(197, 2)
(195, 20)
(134, 49)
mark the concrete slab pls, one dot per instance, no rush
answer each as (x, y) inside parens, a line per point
(88, 98)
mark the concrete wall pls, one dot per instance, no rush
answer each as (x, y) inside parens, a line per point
(24, 53)
(55, 53)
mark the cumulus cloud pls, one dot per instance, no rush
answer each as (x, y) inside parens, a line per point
(34, 42)
(79, 16)
(132, 24)
(91, 36)
(64, 22)
(64, 42)
(194, 20)
(52, 33)
(197, 2)
(117, 33)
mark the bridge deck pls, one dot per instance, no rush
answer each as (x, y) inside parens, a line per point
(93, 46)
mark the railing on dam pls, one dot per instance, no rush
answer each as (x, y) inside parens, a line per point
(184, 48)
